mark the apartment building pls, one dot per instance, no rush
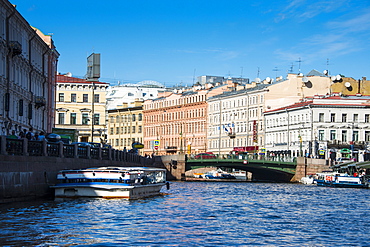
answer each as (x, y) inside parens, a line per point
(28, 65)
(320, 126)
(125, 125)
(176, 122)
(81, 105)
(235, 120)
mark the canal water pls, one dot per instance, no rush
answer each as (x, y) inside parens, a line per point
(197, 214)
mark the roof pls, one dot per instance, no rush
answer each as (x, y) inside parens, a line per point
(315, 73)
(69, 79)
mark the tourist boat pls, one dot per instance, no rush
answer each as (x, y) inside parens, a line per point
(341, 180)
(218, 174)
(110, 182)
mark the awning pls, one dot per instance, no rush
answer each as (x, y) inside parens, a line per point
(345, 151)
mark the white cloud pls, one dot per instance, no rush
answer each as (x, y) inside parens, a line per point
(303, 10)
(358, 23)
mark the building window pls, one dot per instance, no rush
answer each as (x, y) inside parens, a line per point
(85, 118)
(367, 119)
(355, 117)
(117, 142)
(141, 117)
(96, 98)
(117, 130)
(332, 135)
(355, 136)
(321, 135)
(60, 118)
(85, 98)
(133, 117)
(344, 118)
(367, 136)
(20, 107)
(344, 135)
(133, 129)
(73, 97)
(140, 129)
(332, 117)
(321, 117)
(96, 119)
(111, 131)
(61, 97)
(73, 118)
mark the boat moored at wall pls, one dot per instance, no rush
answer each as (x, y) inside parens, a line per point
(110, 182)
(342, 180)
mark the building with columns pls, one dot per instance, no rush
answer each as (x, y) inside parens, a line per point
(28, 65)
(81, 105)
(320, 126)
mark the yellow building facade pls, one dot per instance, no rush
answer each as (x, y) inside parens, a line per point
(125, 126)
(81, 106)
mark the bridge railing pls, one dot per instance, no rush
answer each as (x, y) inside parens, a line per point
(240, 157)
(24, 147)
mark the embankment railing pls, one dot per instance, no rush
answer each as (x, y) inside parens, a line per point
(24, 147)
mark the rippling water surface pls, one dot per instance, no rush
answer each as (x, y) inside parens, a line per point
(197, 214)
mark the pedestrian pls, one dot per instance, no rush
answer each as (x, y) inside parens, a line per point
(42, 136)
(36, 137)
(13, 135)
(29, 134)
(22, 134)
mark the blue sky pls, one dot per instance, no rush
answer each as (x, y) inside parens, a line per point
(173, 41)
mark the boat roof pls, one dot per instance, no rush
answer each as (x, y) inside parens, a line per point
(116, 169)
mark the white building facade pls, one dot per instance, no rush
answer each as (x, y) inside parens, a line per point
(319, 127)
(129, 93)
(235, 120)
(28, 65)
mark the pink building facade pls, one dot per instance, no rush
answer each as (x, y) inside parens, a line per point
(176, 122)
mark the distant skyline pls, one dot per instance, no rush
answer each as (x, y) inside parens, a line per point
(174, 42)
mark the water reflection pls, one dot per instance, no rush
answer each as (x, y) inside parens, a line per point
(197, 214)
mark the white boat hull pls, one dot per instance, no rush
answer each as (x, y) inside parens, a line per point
(110, 182)
(108, 192)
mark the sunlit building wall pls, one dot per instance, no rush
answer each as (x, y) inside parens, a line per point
(81, 105)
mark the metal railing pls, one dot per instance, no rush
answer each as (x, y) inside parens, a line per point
(24, 147)
(240, 158)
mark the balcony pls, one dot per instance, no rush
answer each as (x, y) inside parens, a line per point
(40, 101)
(15, 48)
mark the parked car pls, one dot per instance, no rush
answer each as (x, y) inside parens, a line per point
(205, 156)
(95, 144)
(53, 138)
(107, 146)
(82, 144)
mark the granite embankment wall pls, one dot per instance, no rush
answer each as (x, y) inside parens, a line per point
(27, 177)
(308, 166)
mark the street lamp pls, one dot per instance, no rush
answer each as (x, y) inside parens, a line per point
(92, 111)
